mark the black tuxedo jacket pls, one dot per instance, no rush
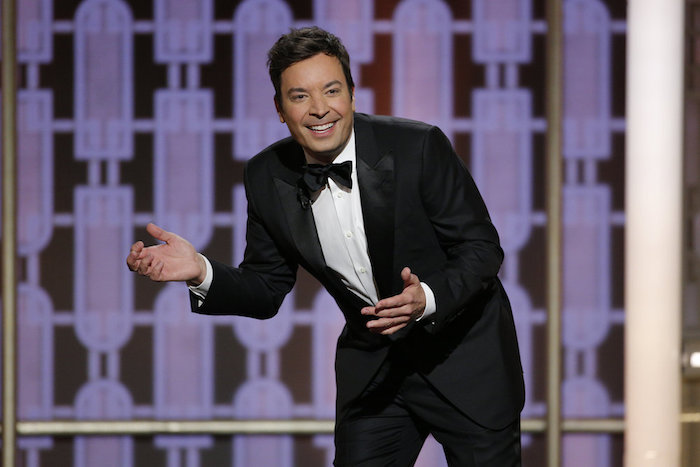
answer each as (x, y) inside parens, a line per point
(421, 209)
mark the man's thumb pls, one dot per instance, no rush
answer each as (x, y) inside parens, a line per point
(157, 233)
(407, 277)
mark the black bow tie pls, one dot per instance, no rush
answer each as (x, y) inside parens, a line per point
(316, 175)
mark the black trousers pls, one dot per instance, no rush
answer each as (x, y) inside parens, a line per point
(389, 423)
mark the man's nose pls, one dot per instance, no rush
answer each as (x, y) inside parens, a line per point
(319, 107)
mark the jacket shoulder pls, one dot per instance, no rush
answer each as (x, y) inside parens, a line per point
(282, 146)
(280, 157)
(395, 134)
(385, 123)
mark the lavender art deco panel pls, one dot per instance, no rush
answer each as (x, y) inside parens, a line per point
(423, 51)
(258, 24)
(502, 159)
(103, 94)
(35, 227)
(137, 111)
(590, 315)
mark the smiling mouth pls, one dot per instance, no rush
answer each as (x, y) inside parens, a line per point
(320, 128)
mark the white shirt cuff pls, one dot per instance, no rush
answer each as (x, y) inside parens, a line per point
(202, 289)
(429, 301)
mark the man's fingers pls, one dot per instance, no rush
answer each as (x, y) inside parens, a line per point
(397, 301)
(383, 323)
(390, 312)
(392, 306)
(400, 300)
(133, 256)
(157, 271)
(393, 313)
(145, 265)
(387, 325)
(132, 261)
(391, 302)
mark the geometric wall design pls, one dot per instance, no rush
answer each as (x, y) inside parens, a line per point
(146, 110)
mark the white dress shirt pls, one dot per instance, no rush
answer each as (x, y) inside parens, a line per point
(337, 212)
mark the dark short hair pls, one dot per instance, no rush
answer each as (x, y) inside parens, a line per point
(303, 43)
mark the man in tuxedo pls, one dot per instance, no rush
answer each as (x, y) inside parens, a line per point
(385, 215)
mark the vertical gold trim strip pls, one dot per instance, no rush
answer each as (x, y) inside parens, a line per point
(9, 104)
(554, 93)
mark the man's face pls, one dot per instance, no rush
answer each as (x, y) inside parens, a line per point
(317, 106)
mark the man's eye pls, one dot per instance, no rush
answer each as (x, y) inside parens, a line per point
(298, 97)
(333, 91)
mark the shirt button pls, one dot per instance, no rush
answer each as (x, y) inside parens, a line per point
(363, 270)
(339, 195)
(348, 234)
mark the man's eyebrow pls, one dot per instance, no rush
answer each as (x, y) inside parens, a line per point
(335, 82)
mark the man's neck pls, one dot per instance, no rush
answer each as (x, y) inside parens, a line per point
(321, 161)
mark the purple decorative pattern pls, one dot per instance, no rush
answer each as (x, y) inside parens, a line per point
(103, 288)
(103, 80)
(35, 170)
(258, 24)
(183, 164)
(423, 51)
(183, 30)
(36, 375)
(103, 400)
(352, 21)
(34, 42)
(502, 30)
(502, 138)
(183, 359)
(587, 91)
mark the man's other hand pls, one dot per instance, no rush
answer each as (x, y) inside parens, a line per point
(173, 260)
(394, 313)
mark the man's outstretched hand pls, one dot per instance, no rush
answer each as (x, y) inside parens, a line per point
(174, 260)
(396, 312)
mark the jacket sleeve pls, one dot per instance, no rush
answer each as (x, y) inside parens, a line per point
(464, 231)
(258, 286)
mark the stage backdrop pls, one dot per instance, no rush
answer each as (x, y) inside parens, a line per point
(147, 110)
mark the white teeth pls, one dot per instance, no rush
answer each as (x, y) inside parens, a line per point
(322, 127)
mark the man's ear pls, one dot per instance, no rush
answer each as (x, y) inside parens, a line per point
(352, 97)
(279, 111)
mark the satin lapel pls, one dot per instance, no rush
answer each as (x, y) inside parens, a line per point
(300, 220)
(375, 173)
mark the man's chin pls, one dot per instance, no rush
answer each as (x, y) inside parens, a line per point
(326, 156)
